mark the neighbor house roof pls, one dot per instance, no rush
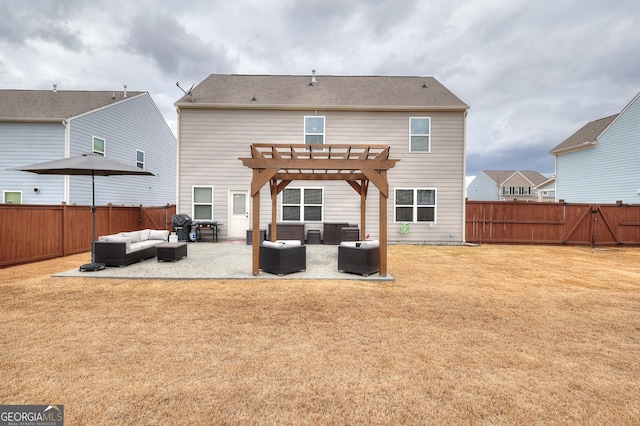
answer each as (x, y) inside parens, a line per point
(50, 105)
(501, 176)
(328, 92)
(585, 137)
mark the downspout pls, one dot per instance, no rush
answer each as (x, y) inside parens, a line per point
(464, 176)
(67, 154)
(178, 160)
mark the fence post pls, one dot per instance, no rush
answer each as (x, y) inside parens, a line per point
(63, 227)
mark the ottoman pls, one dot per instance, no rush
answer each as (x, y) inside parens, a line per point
(171, 251)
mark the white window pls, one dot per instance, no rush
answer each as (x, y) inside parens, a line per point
(12, 197)
(415, 205)
(140, 159)
(314, 130)
(302, 204)
(420, 134)
(98, 146)
(202, 208)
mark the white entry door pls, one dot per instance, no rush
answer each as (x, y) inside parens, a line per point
(238, 214)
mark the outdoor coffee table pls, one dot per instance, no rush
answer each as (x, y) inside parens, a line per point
(171, 251)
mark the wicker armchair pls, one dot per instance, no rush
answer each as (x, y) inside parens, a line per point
(283, 257)
(359, 257)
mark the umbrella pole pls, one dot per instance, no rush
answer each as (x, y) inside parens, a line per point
(93, 215)
(93, 266)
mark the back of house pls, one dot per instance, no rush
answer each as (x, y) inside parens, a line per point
(421, 121)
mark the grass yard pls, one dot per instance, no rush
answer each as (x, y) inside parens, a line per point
(465, 335)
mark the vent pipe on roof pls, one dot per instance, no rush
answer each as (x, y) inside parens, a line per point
(55, 88)
(313, 76)
(125, 91)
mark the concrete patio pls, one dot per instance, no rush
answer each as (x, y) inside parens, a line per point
(227, 260)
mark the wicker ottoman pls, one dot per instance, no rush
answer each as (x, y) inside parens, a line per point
(171, 252)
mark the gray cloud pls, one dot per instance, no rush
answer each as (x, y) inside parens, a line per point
(46, 22)
(176, 51)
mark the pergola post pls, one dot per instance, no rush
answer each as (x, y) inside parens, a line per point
(383, 228)
(363, 209)
(255, 234)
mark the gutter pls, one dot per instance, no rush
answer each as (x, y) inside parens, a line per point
(584, 145)
(189, 105)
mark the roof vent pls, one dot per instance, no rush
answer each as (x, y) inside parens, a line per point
(254, 98)
(313, 78)
(424, 85)
(125, 91)
(55, 88)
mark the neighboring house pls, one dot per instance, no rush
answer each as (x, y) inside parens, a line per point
(421, 121)
(600, 162)
(546, 190)
(508, 185)
(39, 125)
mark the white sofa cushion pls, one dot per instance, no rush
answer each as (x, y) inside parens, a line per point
(289, 243)
(369, 244)
(148, 243)
(348, 243)
(272, 244)
(144, 234)
(119, 239)
(136, 247)
(361, 244)
(159, 234)
(134, 236)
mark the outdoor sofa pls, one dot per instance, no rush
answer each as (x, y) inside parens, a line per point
(283, 256)
(125, 248)
(359, 257)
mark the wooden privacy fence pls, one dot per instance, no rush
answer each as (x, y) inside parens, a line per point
(504, 222)
(30, 233)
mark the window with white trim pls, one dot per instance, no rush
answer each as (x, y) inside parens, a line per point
(302, 205)
(516, 190)
(140, 159)
(420, 134)
(12, 197)
(202, 208)
(314, 130)
(415, 205)
(98, 146)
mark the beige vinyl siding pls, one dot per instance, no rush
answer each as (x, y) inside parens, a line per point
(212, 140)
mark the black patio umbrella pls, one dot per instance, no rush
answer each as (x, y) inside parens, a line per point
(87, 165)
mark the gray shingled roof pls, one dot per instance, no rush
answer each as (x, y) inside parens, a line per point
(328, 92)
(500, 176)
(47, 105)
(586, 135)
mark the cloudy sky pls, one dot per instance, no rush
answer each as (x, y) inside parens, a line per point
(532, 72)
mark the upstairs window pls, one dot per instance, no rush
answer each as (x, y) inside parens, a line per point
(302, 205)
(314, 130)
(98, 146)
(415, 205)
(140, 159)
(420, 134)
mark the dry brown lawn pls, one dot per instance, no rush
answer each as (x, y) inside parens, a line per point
(465, 335)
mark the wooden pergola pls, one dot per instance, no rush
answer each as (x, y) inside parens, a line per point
(280, 164)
